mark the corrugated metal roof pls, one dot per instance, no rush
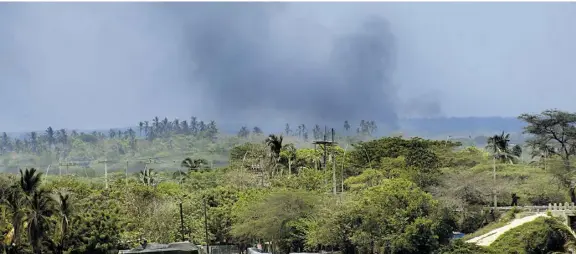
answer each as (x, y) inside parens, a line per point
(175, 248)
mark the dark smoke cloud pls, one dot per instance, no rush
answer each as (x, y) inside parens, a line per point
(244, 71)
(105, 65)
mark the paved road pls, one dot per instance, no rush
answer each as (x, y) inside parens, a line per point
(490, 237)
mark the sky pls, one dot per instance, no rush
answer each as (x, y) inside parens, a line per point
(105, 65)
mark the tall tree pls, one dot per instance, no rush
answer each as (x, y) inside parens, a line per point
(288, 153)
(112, 133)
(192, 165)
(317, 132)
(50, 136)
(499, 145)
(346, 126)
(62, 137)
(38, 218)
(275, 144)
(30, 180)
(184, 127)
(212, 130)
(194, 125)
(5, 143)
(244, 132)
(34, 142)
(141, 127)
(156, 123)
(64, 211)
(257, 131)
(146, 127)
(14, 199)
(287, 129)
(201, 127)
(148, 176)
(554, 130)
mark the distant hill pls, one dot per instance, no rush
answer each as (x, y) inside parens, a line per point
(463, 125)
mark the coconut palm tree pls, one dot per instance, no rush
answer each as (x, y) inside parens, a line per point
(275, 144)
(38, 218)
(541, 153)
(288, 153)
(64, 210)
(147, 176)
(141, 127)
(14, 199)
(193, 165)
(499, 145)
(30, 181)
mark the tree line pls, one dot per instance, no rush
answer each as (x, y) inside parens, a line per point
(385, 195)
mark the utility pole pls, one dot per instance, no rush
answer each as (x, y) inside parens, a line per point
(181, 221)
(105, 171)
(333, 167)
(494, 181)
(206, 227)
(494, 177)
(67, 164)
(325, 144)
(325, 148)
(342, 171)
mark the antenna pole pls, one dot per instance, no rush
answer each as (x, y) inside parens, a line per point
(181, 221)
(105, 171)
(126, 179)
(325, 148)
(206, 227)
(333, 167)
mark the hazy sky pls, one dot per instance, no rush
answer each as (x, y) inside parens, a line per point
(101, 65)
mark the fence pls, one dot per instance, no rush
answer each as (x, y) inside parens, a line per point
(553, 207)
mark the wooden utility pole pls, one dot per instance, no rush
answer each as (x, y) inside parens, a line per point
(105, 171)
(126, 179)
(181, 221)
(325, 144)
(206, 227)
(334, 184)
(67, 164)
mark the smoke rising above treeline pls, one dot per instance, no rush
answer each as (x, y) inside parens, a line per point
(225, 61)
(102, 65)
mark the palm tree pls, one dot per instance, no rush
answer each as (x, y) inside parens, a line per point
(543, 152)
(499, 145)
(14, 199)
(30, 181)
(289, 153)
(141, 127)
(275, 144)
(148, 176)
(38, 218)
(64, 210)
(193, 165)
(50, 136)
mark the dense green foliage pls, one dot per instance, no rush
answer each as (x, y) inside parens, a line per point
(544, 235)
(384, 195)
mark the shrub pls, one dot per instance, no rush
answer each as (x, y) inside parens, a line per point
(543, 235)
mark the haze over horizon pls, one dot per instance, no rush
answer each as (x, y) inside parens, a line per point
(102, 65)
